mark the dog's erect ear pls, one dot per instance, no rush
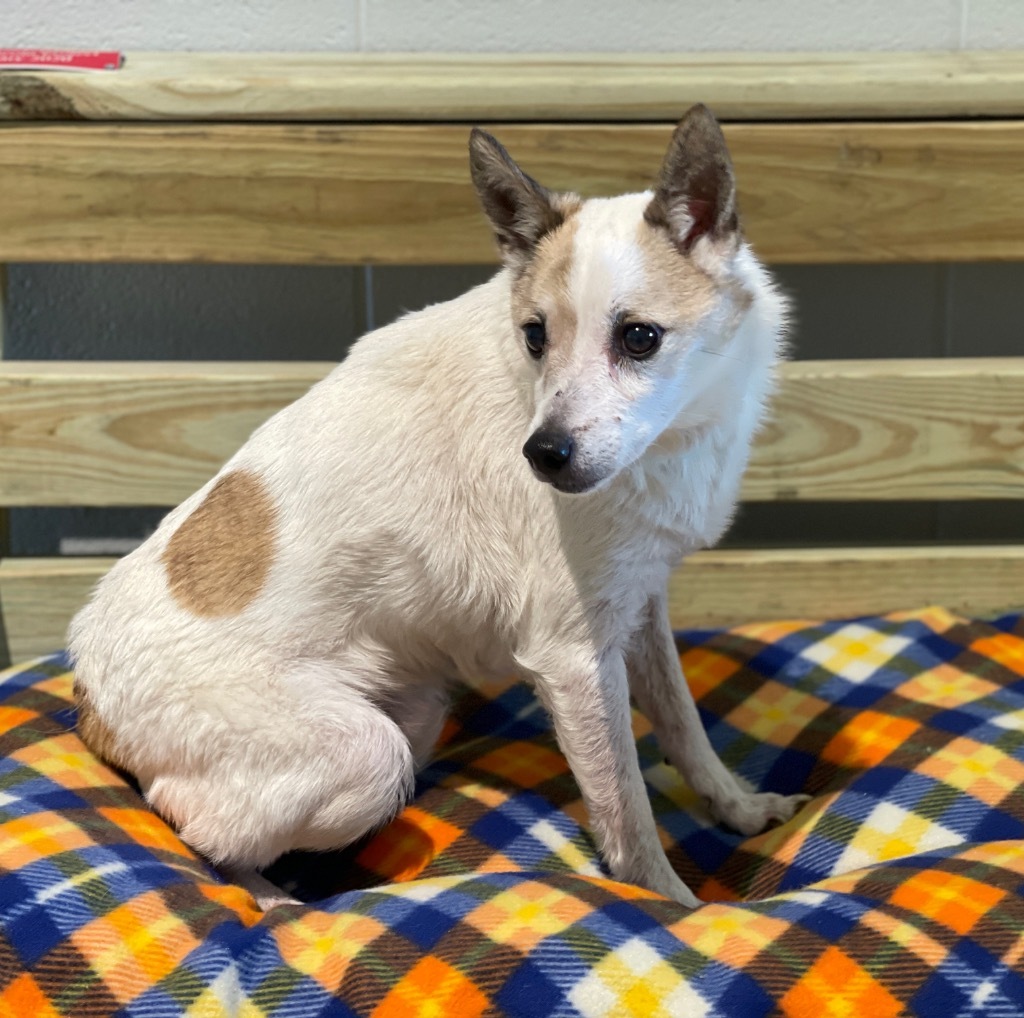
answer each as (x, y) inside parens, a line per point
(696, 194)
(520, 210)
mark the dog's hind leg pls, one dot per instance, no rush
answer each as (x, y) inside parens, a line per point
(657, 682)
(324, 767)
(420, 711)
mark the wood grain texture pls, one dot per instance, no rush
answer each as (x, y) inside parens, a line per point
(620, 86)
(39, 596)
(721, 588)
(401, 194)
(90, 433)
(878, 430)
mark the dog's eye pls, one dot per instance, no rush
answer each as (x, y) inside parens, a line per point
(639, 339)
(536, 336)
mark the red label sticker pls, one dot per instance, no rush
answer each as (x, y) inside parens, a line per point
(58, 60)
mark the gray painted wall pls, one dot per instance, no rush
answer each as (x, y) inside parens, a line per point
(249, 312)
(498, 25)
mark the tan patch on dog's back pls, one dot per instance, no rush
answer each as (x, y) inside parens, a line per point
(95, 734)
(218, 559)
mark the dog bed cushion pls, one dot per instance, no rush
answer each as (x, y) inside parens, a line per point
(899, 889)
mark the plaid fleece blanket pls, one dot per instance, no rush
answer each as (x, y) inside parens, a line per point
(898, 890)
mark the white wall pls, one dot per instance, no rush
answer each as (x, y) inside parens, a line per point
(495, 25)
(248, 312)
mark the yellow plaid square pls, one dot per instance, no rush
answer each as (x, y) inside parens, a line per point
(984, 771)
(855, 652)
(136, 944)
(891, 832)
(634, 981)
(946, 687)
(524, 915)
(731, 935)
(777, 715)
(323, 945)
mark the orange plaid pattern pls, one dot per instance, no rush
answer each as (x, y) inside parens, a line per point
(898, 890)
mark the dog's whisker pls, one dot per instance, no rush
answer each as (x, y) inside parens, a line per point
(716, 353)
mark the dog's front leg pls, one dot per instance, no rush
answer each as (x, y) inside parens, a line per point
(589, 703)
(657, 681)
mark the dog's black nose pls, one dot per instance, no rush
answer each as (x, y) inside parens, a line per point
(549, 452)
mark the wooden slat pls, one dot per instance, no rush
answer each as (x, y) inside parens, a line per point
(881, 430)
(718, 588)
(401, 194)
(38, 597)
(616, 86)
(93, 433)
(721, 588)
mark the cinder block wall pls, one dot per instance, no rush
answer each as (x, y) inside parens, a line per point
(253, 312)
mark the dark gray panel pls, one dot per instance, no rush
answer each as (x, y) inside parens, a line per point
(397, 289)
(986, 315)
(982, 522)
(193, 312)
(810, 524)
(854, 311)
(39, 531)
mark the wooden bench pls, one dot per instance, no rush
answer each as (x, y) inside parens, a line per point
(362, 159)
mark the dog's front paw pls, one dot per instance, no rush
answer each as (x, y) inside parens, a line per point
(753, 812)
(678, 891)
(659, 878)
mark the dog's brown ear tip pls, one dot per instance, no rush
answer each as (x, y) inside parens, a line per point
(700, 121)
(698, 110)
(481, 140)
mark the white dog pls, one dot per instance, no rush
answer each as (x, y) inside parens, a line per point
(272, 663)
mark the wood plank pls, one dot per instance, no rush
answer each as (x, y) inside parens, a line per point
(401, 194)
(878, 430)
(720, 588)
(596, 86)
(94, 433)
(38, 597)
